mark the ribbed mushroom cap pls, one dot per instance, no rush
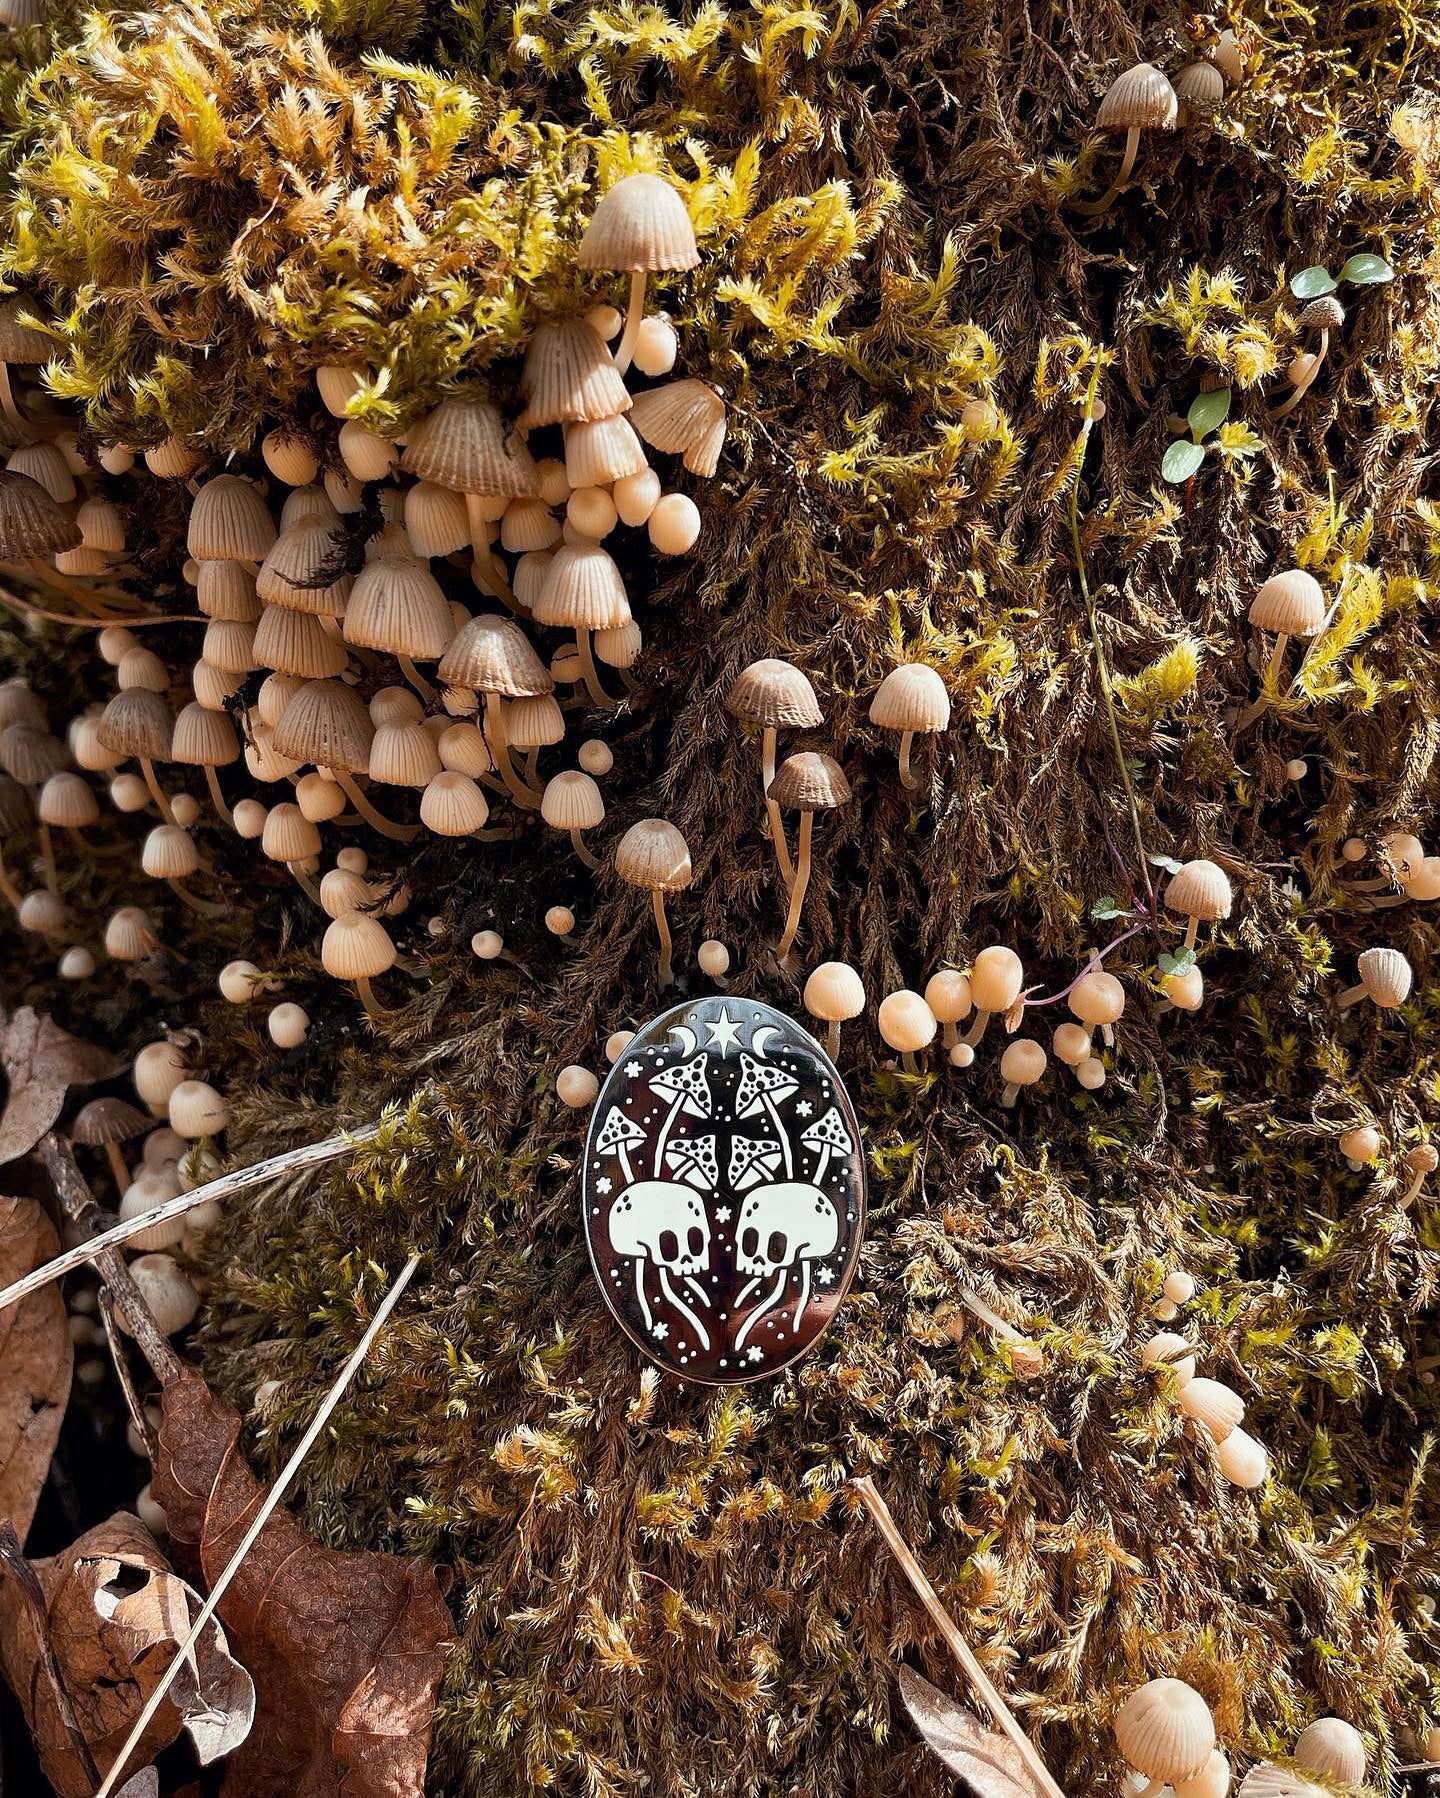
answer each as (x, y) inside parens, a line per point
(530, 573)
(570, 378)
(435, 519)
(620, 645)
(653, 854)
(1024, 1062)
(229, 645)
(1097, 998)
(534, 723)
(45, 464)
(295, 643)
(227, 590)
(293, 574)
(1324, 313)
(599, 453)
(1216, 1407)
(129, 934)
(101, 526)
(203, 738)
(463, 445)
(491, 654)
(906, 1022)
(307, 502)
(685, 419)
(463, 750)
(571, 801)
(31, 755)
(326, 723)
(108, 1120)
(996, 978)
(640, 224)
(289, 836)
(583, 590)
(1386, 976)
(66, 801)
(1265, 1779)
(141, 667)
(356, 947)
(22, 344)
(169, 853)
(1200, 85)
(398, 606)
(453, 806)
(1333, 1747)
(1200, 890)
(16, 811)
(1165, 1730)
(403, 755)
(229, 522)
(528, 526)
(19, 704)
(911, 697)
(1139, 100)
(1291, 601)
(172, 460)
(31, 524)
(809, 782)
(834, 992)
(342, 891)
(137, 723)
(771, 695)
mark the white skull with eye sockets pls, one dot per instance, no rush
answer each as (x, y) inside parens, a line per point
(782, 1224)
(664, 1222)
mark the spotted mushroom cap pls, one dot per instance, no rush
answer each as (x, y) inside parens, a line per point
(1291, 601)
(911, 697)
(773, 695)
(653, 854)
(640, 224)
(809, 782)
(1200, 890)
(1140, 99)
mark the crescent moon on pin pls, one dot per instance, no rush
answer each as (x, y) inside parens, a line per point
(687, 1037)
(757, 1041)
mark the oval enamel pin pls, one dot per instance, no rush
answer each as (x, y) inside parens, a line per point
(724, 1190)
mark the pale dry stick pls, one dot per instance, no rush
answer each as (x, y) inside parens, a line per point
(959, 1647)
(185, 1650)
(276, 1168)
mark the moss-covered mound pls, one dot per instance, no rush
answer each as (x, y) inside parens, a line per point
(669, 1589)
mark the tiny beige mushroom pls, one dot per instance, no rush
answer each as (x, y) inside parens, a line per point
(1423, 1159)
(639, 228)
(1324, 315)
(947, 993)
(289, 837)
(834, 993)
(771, 696)
(1291, 604)
(1098, 998)
(912, 700)
(1385, 979)
(573, 802)
(1071, 1044)
(1139, 99)
(1360, 1145)
(907, 1023)
(655, 856)
(105, 1124)
(995, 982)
(1166, 1732)
(1201, 893)
(1023, 1064)
(1334, 1748)
(807, 783)
(357, 948)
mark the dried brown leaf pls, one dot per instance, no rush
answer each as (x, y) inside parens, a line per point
(347, 1650)
(36, 1358)
(987, 1761)
(41, 1061)
(114, 1610)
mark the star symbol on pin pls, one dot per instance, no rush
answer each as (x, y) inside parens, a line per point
(722, 1216)
(724, 1032)
(825, 1276)
(755, 1354)
(602, 1185)
(634, 1069)
(660, 1332)
(804, 1108)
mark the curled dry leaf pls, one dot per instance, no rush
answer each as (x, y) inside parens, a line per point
(988, 1762)
(41, 1061)
(35, 1363)
(114, 1611)
(347, 1650)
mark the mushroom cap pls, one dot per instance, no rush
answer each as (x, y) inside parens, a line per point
(108, 1120)
(30, 754)
(140, 667)
(571, 801)
(356, 947)
(44, 463)
(227, 590)
(452, 805)
(1140, 99)
(326, 723)
(905, 1021)
(640, 224)
(66, 800)
(203, 739)
(464, 445)
(136, 723)
(1071, 1043)
(16, 810)
(463, 750)
(996, 978)
(19, 704)
(289, 836)
(1386, 976)
(1333, 1747)
(22, 344)
(101, 526)
(1199, 84)
(1362, 1143)
(583, 590)
(601, 452)
(653, 854)
(1324, 313)
(809, 782)
(1024, 1062)
(911, 697)
(1424, 1158)
(773, 695)
(834, 992)
(947, 993)
(290, 642)
(229, 645)
(1097, 998)
(1165, 1730)
(397, 606)
(570, 377)
(529, 576)
(1200, 890)
(168, 1294)
(1291, 601)
(1166, 1349)
(1242, 1460)
(1214, 1406)
(169, 853)
(491, 654)
(31, 524)
(685, 419)
(620, 645)
(528, 527)
(403, 755)
(196, 1109)
(295, 572)
(1265, 1779)
(534, 723)
(435, 519)
(230, 522)
(1211, 1781)
(129, 934)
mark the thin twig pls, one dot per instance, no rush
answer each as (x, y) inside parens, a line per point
(185, 1650)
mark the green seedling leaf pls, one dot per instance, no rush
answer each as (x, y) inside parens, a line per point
(1208, 411)
(1167, 862)
(1176, 964)
(1107, 908)
(1310, 283)
(1367, 271)
(1181, 460)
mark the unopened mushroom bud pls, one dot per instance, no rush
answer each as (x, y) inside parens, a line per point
(995, 982)
(129, 793)
(150, 1511)
(713, 958)
(1166, 1732)
(1166, 1349)
(487, 945)
(576, 1087)
(76, 963)
(238, 982)
(962, 1056)
(288, 1024)
(595, 757)
(1213, 1406)
(1212, 1781)
(1430, 1746)
(1023, 1063)
(656, 346)
(196, 1109)
(636, 497)
(907, 1023)
(43, 913)
(1353, 849)
(1184, 991)
(1242, 1460)
(979, 420)
(1385, 979)
(834, 993)
(171, 1299)
(617, 1043)
(560, 920)
(1360, 1145)
(1071, 1044)
(948, 996)
(674, 525)
(1335, 1748)
(1200, 892)
(1098, 998)
(249, 816)
(151, 1188)
(1179, 1287)
(1091, 1074)
(1423, 1159)
(159, 1069)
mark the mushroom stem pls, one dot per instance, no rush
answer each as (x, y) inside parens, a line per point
(907, 777)
(1154, 1786)
(1010, 1094)
(157, 792)
(832, 1038)
(634, 318)
(117, 1165)
(217, 798)
(1305, 383)
(777, 823)
(1351, 996)
(977, 1029)
(9, 402)
(587, 664)
(801, 881)
(1412, 1191)
(949, 1036)
(402, 833)
(662, 924)
(582, 850)
(1092, 208)
(1272, 665)
(205, 907)
(8, 887)
(306, 884)
(908, 1061)
(1107, 1032)
(485, 558)
(1192, 926)
(368, 999)
(500, 753)
(47, 854)
(416, 679)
